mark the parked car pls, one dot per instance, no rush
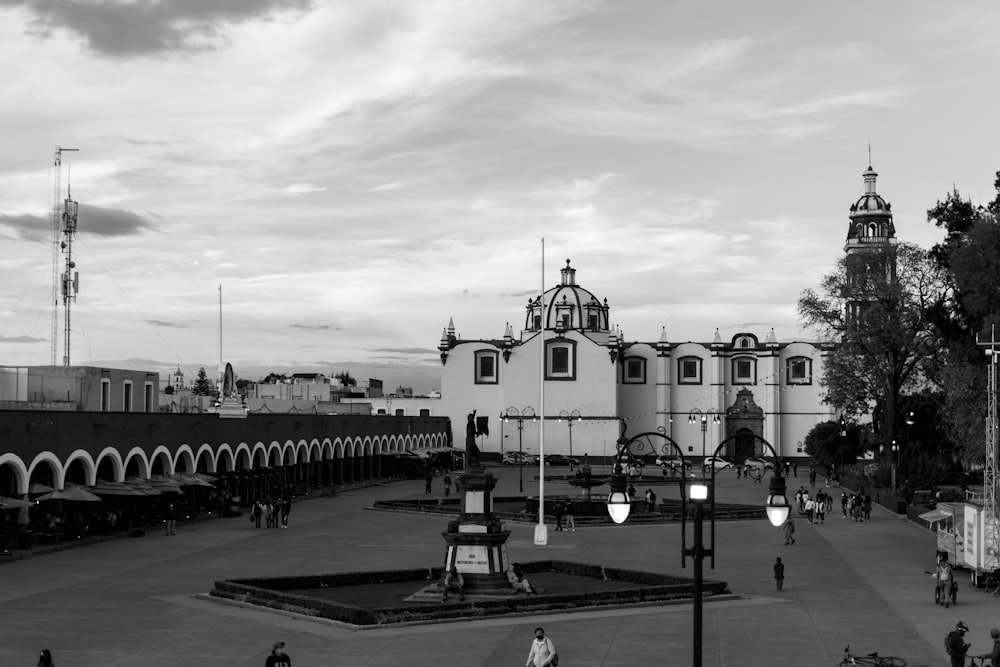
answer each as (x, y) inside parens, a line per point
(518, 458)
(716, 462)
(560, 460)
(672, 462)
(758, 463)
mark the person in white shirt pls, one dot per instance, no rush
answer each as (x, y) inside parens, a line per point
(543, 652)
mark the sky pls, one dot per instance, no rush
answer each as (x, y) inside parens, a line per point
(351, 175)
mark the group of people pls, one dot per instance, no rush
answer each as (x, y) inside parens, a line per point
(273, 512)
(565, 510)
(958, 648)
(453, 581)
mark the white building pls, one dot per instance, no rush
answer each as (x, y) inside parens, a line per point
(742, 390)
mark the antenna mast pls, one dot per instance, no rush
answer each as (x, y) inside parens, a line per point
(70, 278)
(56, 233)
(990, 473)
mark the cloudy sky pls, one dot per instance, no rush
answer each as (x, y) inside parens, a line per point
(354, 174)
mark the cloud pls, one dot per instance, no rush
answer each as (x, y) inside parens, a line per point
(148, 27)
(315, 327)
(404, 350)
(21, 339)
(298, 189)
(94, 220)
(161, 323)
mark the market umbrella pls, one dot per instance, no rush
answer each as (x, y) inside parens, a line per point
(115, 489)
(187, 479)
(73, 493)
(142, 486)
(36, 488)
(11, 503)
(165, 485)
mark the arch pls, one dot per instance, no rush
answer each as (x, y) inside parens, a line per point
(110, 457)
(137, 456)
(242, 459)
(86, 462)
(207, 455)
(19, 471)
(161, 457)
(224, 459)
(183, 459)
(54, 465)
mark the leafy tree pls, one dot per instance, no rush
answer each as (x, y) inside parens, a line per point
(274, 378)
(346, 379)
(169, 389)
(830, 449)
(202, 387)
(888, 347)
(970, 253)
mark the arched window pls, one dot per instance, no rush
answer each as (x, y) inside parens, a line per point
(486, 367)
(689, 370)
(560, 359)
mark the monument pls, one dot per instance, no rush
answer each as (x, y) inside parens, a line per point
(477, 542)
(230, 403)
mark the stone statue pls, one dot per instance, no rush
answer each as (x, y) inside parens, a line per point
(471, 450)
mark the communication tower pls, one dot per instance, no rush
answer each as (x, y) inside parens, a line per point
(70, 278)
(57, 223)
(990, 477)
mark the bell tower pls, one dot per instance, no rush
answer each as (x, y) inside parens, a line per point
(870, 235)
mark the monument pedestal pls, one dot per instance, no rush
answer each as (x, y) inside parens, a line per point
(477, 542)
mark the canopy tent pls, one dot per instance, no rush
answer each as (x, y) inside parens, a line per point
(936, 515)
(36, 488)
(12, 503)
(142, 486)
(104, 488)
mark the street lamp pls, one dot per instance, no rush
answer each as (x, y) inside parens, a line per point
(570, 416)
(697, 415)
(520, 415)
(895, 454)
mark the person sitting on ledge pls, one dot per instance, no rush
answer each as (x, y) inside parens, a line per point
(453, 580)
(517, 581)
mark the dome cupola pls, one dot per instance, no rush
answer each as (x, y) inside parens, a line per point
(568, 306)
(871, 216)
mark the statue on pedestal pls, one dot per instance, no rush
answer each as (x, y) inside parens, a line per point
(471, 450)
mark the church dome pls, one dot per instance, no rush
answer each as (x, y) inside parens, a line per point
(568, 306)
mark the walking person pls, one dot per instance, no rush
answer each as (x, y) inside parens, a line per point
(779, 573)
(278, 657)
(256, 512)
(559, 510)
(943, 574)
(820, 507)
(286, 508)
(447, 484)
(843, 503)
(789, 530)
(543, 651)
(956, 646)
(45, 658)
(428, 478)
(570, 516)
(171, 517)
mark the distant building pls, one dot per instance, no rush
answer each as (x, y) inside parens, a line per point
(78, 389)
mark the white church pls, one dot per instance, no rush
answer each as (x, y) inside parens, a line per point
(738, 391)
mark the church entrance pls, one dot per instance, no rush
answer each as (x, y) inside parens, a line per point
(743, 447)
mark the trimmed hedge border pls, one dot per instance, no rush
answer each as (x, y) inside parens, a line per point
(278, 593)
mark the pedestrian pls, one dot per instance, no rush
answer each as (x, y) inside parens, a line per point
(447, 484)
(268, 514)
(45, 658)
(812, 477)
(943, 573)
(171, 517)
(570, 516)
(428, 478)
(453, 580)
(994, 654)
(820, 507)
(286, 508)
(631, 492)
(799, 501)
(278, 657)
(543, 651)
(789, 529)
(779, 573)
(843, 503)
(868, 507)
(956, 646)
(795, 469)
(559, 509)
(810, 508)
(256, 512)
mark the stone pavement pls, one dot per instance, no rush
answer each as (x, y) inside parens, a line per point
(132, 601)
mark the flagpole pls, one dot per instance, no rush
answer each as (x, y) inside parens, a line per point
(541, 532)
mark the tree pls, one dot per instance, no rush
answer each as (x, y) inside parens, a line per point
(829, 448)
(970, 253)
(168, 390)
(274, 378)
(346, 379)
(202, 387)
(884, 345)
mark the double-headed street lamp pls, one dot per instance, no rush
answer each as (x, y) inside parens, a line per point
(697, 415)
(619, 507)
(571, 416)
(520, 415)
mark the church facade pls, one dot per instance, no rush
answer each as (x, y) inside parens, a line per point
(726, 395)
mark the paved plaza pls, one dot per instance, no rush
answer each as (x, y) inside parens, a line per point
(133, 602)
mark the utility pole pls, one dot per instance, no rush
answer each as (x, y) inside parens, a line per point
(991, 524)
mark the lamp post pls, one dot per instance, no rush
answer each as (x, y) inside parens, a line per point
(696, 415)
(570, 417)
(520, 415)
(895, 455)
(619, 507)
(902, 469)
(843, 439)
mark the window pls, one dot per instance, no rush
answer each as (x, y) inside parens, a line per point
(798, 370)
(425, 412)
(689, 370)
(127, 396)
(635, 370)
(486, 366)
(381, 411)
(147, 397)
(594, 322)
(105, 395)
(744, 370)
(560, 360)
(400, 412)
